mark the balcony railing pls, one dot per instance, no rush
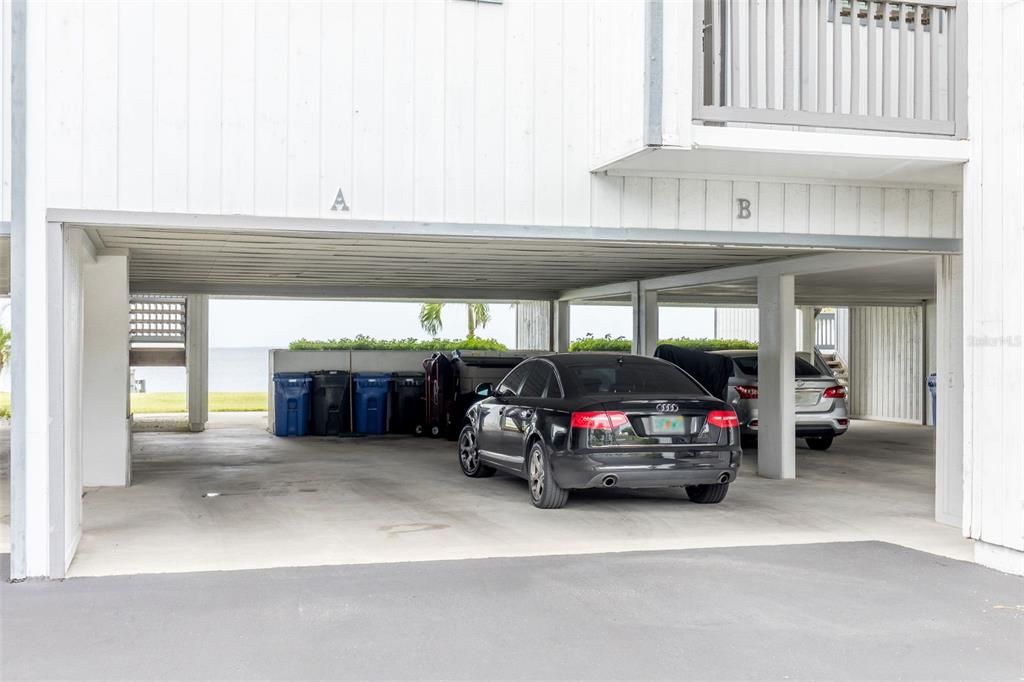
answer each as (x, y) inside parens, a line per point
(856, 64)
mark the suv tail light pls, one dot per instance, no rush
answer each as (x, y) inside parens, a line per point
(747, 392)
(723, 419)
(834, 392)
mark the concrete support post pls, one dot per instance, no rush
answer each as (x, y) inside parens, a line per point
(106, 438)
(37, 346)
(949, 427)
(560, 327)
(807, 329)
(776, 449)
(197, 352)
(645, 320)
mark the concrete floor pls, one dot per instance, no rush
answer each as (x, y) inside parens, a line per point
(319, 501)
(844, 611)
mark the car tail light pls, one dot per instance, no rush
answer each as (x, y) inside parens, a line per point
(747, 392)
(834, 392)
(723, 419)
(604, 421)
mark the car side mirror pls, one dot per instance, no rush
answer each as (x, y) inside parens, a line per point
(485, 390)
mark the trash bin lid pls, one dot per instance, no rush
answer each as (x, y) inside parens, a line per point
(371, 378)
(291, 377)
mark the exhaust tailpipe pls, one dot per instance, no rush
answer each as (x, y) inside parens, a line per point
(724, 478)
(609, 481)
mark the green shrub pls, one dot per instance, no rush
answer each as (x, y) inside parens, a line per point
(623, 345)
(711, 344)
(362, 342)
(602, 343)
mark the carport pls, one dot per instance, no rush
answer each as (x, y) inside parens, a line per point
(402, 517)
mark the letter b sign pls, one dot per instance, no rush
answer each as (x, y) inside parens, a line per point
(743, 206)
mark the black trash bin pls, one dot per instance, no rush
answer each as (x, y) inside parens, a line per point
(330, 403)
(408, 411)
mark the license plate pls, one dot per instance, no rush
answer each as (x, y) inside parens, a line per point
(804, 398)
(668, 424)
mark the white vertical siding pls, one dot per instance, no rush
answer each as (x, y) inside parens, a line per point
(736, 323)
(533, 325)
(440, 110)
(5, 110)
(886, 363)
(993, 281)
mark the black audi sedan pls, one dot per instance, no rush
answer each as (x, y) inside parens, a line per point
(602, 420)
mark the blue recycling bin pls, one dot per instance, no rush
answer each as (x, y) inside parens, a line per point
(371, 402)
(932, 388)
(291, 403)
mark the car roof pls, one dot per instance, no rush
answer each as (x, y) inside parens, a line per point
(594, 359)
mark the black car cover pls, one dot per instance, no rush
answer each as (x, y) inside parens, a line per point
(710, 370)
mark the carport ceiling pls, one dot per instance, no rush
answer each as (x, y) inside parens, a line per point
(906, 283)
(310, 265)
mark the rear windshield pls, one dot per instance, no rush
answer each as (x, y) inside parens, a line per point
(748, 365)
(633, 377)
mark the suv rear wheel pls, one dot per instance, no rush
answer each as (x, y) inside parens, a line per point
(822, 443)
(711, 493)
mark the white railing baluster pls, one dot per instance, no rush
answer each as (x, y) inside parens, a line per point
(887, 71)
(902, 78)
(934, 23)
(822, 29)
(918, 62)
(735, 65)
(717, 24)
(873, 31)
(837, 58)
(769, 53)
(855, 57)
(754, 67)
(952, 86)
(807, 64)
(788, 58)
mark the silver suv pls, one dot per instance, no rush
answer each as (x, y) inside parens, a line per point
(821, 411)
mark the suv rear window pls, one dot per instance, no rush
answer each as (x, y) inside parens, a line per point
(748, 365)
(633, 377)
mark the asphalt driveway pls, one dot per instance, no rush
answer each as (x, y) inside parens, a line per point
(861, 610)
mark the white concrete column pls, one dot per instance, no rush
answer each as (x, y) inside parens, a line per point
(560, 327)
(645, 320)
(993, 279)
(37, 253)
(106, 441)
(949, 429)
(197, 351)
(776, 440)
(807, 330)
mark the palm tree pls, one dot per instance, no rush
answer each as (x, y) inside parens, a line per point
(477, 317)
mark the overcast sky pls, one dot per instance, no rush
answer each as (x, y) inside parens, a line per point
(275, 323)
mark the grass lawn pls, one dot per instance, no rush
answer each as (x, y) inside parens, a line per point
(150, 403)
(5, 405)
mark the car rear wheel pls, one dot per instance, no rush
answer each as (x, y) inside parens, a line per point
(712, 493)
(544, 492)
(822, 443)
(469, 455)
